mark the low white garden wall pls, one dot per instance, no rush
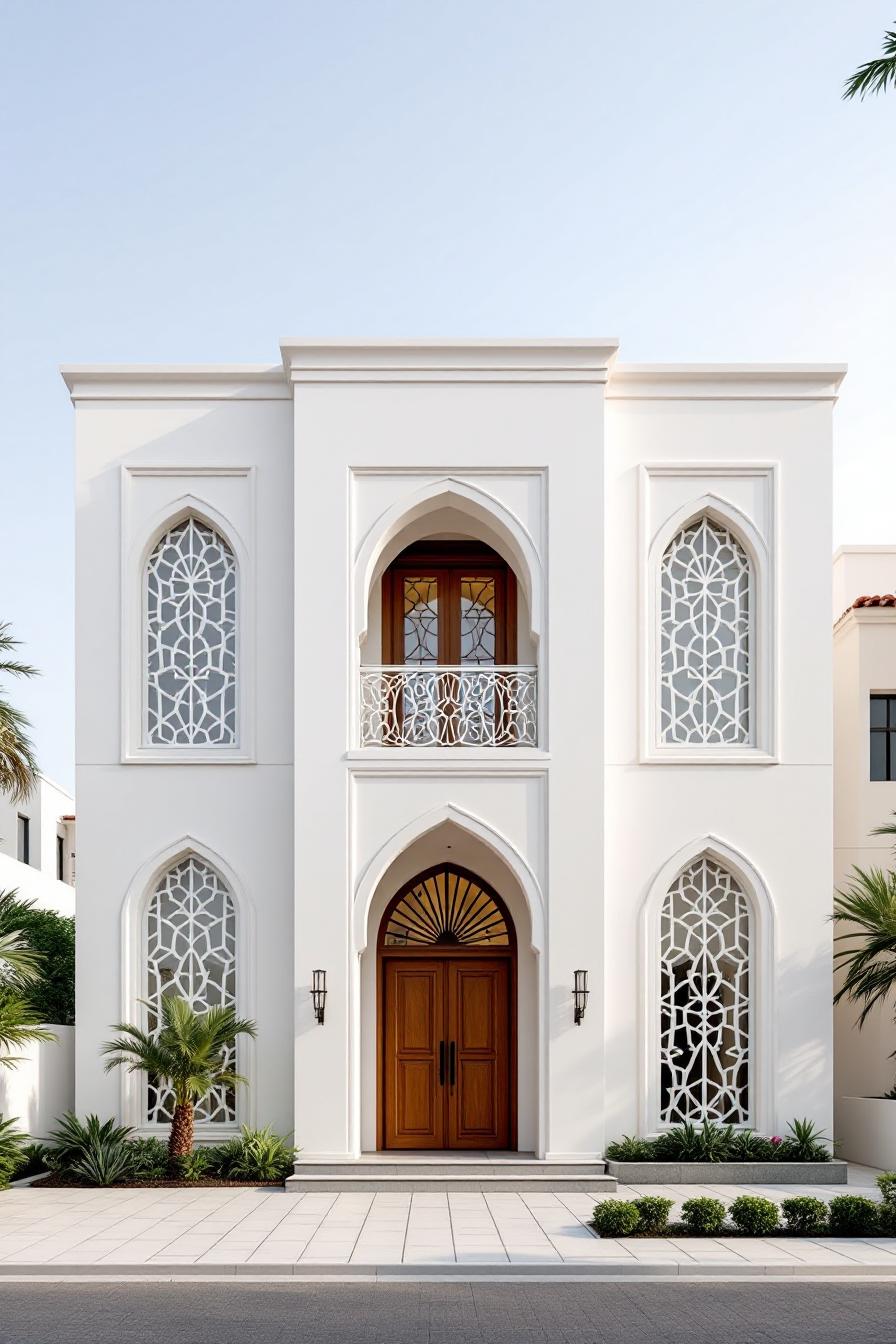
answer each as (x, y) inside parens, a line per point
(866, 1131)
(42, 1086)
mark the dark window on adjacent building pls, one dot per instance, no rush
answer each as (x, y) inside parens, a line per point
(24, 839)
(60, 857)
(883, 737)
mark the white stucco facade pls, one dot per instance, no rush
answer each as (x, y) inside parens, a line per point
(37, 847)
(582, 475)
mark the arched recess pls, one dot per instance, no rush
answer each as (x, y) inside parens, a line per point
(421, 826)
(762, 980)
(506, 534)
(762, 745)
(133, 624)
(134, 910)
(448, 832)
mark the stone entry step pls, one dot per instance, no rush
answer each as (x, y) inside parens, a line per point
(446, 1173)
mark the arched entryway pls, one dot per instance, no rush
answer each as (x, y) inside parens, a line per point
(446, 995)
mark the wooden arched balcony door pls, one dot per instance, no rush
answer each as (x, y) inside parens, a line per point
(446, 993)
(449, 633)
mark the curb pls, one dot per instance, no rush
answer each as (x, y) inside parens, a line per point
(612, 1271)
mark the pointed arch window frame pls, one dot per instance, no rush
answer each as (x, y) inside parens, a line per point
(138, 545)
(761, 550)
(762, 1108)
(134, 983)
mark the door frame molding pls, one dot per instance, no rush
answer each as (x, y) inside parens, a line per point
(445, 952)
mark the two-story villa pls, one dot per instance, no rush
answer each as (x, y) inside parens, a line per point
(485, 685)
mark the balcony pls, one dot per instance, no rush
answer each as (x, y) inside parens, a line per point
(439, 706)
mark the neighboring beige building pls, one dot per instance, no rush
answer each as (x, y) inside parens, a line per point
(864, 797)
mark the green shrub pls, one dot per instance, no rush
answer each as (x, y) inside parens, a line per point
(630, 1149)
(32, 1161)
(853, 1215)
(616, 1218)
(653, 1212)
(149, 1159)
(754, 1215)
(804, 1142)
(703, 1216)
(52, 996)
(747, 1146)
(256, 1155)
(12, 1146)
(193, 1166)
(688, 1142)
(96, 1152)
(105, 1161)
(886, 1184)
(804, 1214)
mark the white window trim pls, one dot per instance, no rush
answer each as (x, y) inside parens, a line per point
(762, 975)
(136, 551)
(764, 746)
(134, 983)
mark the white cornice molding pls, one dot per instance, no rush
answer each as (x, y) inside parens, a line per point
(865, 616)
(436, 361)
(725, 382)
(175, 382)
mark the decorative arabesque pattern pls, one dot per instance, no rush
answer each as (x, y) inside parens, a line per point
(191, 953)
(478, 626)
(191, 639)
(705, 653)
(705, 998)
(446, 908)
(449, 707)
(421, 621)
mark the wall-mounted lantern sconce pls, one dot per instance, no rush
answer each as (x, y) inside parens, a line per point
(319, 994)
(580, 994)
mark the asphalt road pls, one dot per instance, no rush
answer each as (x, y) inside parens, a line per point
(455, 1313)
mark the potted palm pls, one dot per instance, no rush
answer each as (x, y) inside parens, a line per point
(865, 958)
(187, 1053)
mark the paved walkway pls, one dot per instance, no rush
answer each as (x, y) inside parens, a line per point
(226, 1231)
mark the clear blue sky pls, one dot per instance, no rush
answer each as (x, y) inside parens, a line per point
(193, 181)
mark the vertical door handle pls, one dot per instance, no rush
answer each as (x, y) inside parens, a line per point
(452, 1059)
(441, 1063)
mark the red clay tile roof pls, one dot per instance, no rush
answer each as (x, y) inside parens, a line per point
(879, 600)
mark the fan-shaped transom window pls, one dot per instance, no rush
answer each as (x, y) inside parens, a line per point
(705, 997)
(191, 638)
(706, 655)
(446, 907)
(191, 952)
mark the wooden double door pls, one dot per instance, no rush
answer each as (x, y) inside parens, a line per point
(446, 1068)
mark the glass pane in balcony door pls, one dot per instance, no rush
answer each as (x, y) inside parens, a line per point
(421, 621)
(478, 628)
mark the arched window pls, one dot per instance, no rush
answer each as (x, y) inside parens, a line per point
(706, 694)
(191, 639)
(705, 991)
(191, 952)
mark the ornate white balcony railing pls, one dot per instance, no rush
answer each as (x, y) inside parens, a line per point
(472, 706)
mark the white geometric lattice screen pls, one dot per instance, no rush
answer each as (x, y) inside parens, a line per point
(191, 639)
(705, 998)
(191, 952)
(705, 654)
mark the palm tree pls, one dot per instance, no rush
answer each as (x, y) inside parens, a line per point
(874, 76)
(867, 906)
(186, 1053)
(18, 766)
(18, 961)
(19, 967)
